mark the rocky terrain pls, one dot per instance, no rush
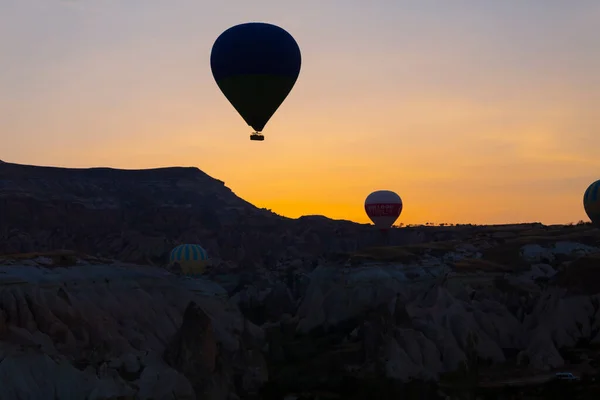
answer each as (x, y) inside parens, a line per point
(317, 310)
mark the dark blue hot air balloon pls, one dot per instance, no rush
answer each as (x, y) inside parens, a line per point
(256, 66)
(591, 202)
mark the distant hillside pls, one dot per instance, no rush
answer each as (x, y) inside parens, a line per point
(108, 188)
(139, 215)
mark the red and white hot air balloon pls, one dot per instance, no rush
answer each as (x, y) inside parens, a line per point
(383, 208)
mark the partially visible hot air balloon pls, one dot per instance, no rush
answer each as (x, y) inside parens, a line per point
(383, 208)
(591, 202)
(256, 66)
(191, 257)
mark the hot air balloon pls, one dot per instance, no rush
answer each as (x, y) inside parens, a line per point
(191, 257)
(256, 66)
(591, 202)
(383, 208)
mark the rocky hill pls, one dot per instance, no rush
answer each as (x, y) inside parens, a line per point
(139, 215)
(297, 309)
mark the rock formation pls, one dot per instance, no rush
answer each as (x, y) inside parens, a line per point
(298, 308)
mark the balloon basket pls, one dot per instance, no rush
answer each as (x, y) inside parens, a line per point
(256, 136)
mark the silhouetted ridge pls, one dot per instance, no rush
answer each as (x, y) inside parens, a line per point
(139, 215)
(11, 170)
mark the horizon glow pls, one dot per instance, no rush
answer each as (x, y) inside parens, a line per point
(476, 112)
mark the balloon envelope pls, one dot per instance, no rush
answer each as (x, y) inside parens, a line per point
(591, 202)
(191, 257)
(383, 208)
(256, 66)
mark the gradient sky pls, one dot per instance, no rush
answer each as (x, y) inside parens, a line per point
(482, 111)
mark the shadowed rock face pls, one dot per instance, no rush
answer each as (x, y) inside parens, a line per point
(83, 325)
(293, 306)
(103, 330)
(193, 350)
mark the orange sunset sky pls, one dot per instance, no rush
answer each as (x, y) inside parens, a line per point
(481, 111)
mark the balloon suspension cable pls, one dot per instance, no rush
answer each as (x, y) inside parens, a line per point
(256, 136)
